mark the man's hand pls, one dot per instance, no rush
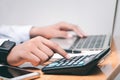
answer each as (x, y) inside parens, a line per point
(56, 30)
(37, 51)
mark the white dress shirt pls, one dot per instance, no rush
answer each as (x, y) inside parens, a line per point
(16, 33)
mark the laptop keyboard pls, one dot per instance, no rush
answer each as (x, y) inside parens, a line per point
(89, 42)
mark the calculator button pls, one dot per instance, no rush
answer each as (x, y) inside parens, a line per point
(81, 63)
(59, 64)
(52, 64)
(70, 63)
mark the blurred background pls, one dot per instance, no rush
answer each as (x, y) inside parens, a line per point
(93, 16)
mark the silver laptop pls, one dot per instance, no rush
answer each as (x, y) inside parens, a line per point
(97, 42)
(90, 43)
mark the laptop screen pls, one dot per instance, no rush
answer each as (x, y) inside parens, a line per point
(100, 17)
(115, 73)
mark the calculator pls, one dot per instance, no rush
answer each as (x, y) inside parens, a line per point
(77, 65)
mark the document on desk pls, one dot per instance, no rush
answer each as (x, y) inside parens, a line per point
(57, 56)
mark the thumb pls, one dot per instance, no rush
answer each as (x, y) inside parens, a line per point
(63, 34)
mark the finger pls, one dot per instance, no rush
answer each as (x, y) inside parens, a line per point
(62, 34)
(41, 55)
(55, 48)
(78, 31)
(45, 50)
(29, 57)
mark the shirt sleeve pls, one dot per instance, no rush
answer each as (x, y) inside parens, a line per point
(15, 33)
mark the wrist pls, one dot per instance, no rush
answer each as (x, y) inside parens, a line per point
(5, 49)
(37, 31)
(33, 32)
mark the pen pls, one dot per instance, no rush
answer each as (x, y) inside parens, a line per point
(72, 51)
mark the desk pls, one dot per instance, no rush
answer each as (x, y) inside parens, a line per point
(101, 73)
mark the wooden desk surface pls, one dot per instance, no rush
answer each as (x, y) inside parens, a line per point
(101, 73)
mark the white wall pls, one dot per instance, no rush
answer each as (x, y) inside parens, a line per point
(94, 16)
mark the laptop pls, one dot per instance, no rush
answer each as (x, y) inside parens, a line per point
(91, 44)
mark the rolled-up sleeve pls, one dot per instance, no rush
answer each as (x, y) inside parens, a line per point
(16, 33)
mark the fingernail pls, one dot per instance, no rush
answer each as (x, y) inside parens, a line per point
(70, 36)
(68, 56)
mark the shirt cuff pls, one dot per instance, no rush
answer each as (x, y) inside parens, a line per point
(23, 33)
(16, 33)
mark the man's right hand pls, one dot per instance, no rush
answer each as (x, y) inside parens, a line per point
(37, 51)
